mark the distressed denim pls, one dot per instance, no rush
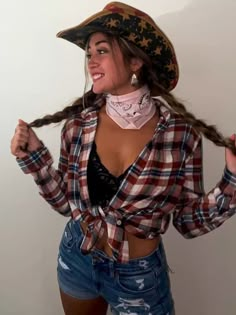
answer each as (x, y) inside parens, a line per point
(141, 286)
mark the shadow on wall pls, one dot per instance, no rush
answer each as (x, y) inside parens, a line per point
(203, 34)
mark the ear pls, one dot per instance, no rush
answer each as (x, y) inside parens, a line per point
(136, 64)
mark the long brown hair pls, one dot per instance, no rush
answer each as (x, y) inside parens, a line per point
(147, 76)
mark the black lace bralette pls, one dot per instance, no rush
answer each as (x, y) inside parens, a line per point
(102, 185)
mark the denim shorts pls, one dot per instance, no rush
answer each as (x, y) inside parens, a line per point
(141, 286)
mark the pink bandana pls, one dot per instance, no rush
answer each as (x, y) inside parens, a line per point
(131, 111)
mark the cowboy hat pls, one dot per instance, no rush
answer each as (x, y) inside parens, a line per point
(136, 27)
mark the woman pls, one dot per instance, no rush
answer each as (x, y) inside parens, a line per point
(127, 163)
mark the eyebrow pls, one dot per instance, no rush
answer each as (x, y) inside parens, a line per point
(99, 42)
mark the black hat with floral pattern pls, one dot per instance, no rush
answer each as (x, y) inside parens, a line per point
(136, 27)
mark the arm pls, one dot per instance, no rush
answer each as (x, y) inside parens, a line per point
(198, 213)
(52, 183)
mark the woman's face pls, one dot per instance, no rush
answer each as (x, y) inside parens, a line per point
(106, 66)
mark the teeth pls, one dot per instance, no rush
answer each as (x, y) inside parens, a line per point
(97, 76)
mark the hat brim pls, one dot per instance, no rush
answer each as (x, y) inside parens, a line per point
(145, 34)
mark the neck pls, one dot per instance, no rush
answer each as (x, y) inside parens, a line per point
(129, 96)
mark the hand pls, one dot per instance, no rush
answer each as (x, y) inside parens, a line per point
(24, 140)
(230, 158)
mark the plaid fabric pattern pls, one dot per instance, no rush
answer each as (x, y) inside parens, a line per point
(166, 179)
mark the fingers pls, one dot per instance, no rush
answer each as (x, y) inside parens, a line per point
(22, 123)
(233, 138)
(20, 139)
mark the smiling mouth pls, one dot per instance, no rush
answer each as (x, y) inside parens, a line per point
(97, 76)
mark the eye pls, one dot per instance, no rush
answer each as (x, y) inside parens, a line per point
(101, 51)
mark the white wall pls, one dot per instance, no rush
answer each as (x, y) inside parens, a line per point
(41, 74)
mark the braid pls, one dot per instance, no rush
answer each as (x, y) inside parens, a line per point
(209, 131)
(78, 105)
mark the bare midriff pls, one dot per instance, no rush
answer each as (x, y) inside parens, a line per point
(137, 247)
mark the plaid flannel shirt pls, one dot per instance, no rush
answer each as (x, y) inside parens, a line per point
(166, 179)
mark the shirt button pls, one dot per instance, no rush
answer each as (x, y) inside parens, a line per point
(119, 222)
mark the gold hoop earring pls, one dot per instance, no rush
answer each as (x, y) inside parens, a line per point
(134, 80)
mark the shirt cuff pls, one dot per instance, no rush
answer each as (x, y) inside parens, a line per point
(35, 160)
(230, 177)
(228, 183)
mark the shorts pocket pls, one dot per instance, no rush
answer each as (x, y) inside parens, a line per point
(69, 237)
(134, 282)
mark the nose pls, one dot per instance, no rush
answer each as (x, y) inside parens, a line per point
(93, 62)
